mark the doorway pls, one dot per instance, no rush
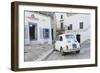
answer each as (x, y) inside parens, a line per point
(78, 37)
(33, 31)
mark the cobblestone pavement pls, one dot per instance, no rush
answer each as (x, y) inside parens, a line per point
(34, 51)
(84, 53)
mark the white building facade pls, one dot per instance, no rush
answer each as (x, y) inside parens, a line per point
(37, 28)
(60, 19)
(78, 24)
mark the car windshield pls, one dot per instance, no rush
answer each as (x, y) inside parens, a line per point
(70, 36)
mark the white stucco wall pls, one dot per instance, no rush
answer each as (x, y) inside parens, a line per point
(42, 21)
(59, 20)
(75, 21)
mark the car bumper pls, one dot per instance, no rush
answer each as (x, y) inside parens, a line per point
(72, 50)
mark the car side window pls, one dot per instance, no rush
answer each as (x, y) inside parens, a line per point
(61, 39)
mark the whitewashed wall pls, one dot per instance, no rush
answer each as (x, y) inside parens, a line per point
(59, 20)
(42, 21)
(75, 21)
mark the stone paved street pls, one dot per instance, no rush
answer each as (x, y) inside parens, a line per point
(84, 53)
(34, 51)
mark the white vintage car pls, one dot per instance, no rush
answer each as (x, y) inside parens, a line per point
(67, 43)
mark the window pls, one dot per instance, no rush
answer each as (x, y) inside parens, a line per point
(61, 39)
(45, 33)
(70, 36)
(61, 25)
(70, 27)
(81, 25)
(61, 16)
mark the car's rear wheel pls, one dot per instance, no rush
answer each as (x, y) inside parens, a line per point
(61, 51)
